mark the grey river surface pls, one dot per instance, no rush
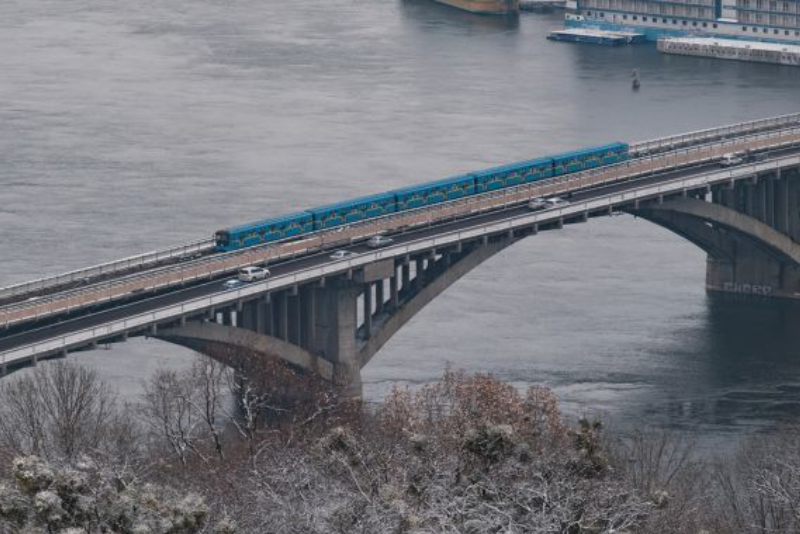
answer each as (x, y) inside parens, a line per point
(129, 126)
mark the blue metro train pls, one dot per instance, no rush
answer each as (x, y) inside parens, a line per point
(417, 196)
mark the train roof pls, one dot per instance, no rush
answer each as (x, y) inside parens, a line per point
(268, 222)
(353, 202)
(444, 181)
(513, 166)
(589, 150)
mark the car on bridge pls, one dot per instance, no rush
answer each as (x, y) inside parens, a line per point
(343, 254)
(252, 273)
(730, 159)
(753, 157)
(543, 203)
(231, 284)
(378, 241)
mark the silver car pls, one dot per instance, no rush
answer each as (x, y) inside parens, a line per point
(378, 241)
(343, 254)
(537, 204)
(233, 283)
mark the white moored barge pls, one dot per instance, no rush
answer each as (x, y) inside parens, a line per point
(780, 54)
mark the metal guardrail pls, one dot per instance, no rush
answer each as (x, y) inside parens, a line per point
(195, 306)
(219, 264)
(140, 260)
(711, 134)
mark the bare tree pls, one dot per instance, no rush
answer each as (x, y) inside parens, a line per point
(59, 410)
(168, 410)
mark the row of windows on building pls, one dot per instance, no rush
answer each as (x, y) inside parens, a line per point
(784, 21)
(771, 6)
(646, 6)
(664, 7)
(653, 8)
(699, 24)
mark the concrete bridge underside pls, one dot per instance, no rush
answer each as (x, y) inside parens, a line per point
(750, 230)
(335, 327)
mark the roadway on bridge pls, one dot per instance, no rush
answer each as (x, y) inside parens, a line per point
(117, 312)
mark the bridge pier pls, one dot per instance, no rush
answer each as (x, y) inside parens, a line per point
(750, 230)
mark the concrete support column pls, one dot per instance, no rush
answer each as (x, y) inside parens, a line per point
(769, 202)
(269, 317)
(309, 312)
(379, 296)
(296, 321)
(745, 193)
(793, 207)
(283, 319)
(394, 291)
(446, 260)
(368, 311)
(335, 335)
(419, 280)
(406, 276)
(782, 204)
(759, 194)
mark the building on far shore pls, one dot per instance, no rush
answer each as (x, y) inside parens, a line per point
(755, 20)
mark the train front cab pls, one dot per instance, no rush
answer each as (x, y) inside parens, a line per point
(265, 231)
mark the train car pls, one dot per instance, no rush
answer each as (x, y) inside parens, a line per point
(420, 195)
(588, 158)
(613, 153)
(353, 210)
(514, 174)
(264, 231)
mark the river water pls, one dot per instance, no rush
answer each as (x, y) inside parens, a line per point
(129, 126)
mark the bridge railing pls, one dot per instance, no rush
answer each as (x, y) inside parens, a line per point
(712, 134)
(109, 268)
(219, 264)
(138, 322)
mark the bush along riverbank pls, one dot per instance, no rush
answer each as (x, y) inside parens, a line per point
(209, 450)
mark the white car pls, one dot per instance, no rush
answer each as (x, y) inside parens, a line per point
(537, 204)
(730, 159)
(378, 241)
(553, 202)
(343, 254)
(252, 274)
